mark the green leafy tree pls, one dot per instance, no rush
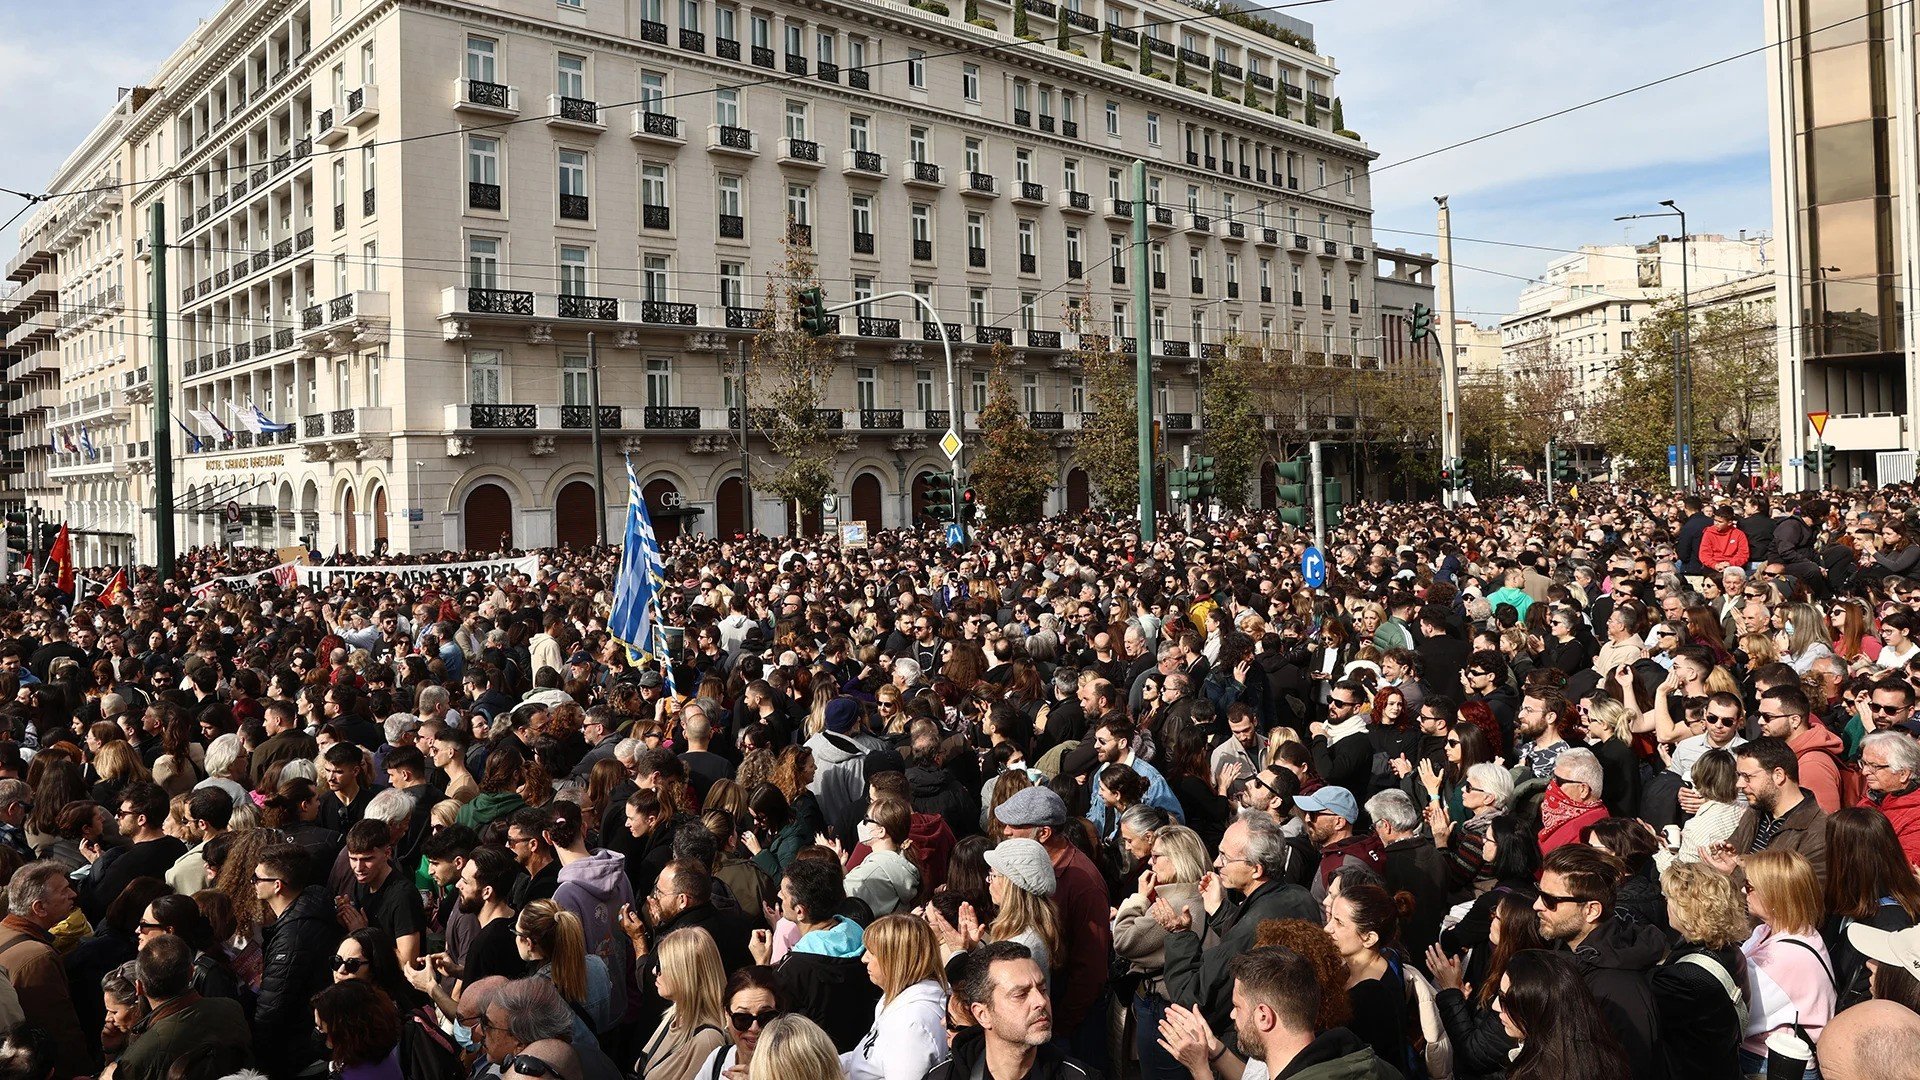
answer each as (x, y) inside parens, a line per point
(1339, 116)
(1014, 469)
(787, 372)
(1232, 401)
(1280, 106)
(1313, 114)
(1735, 393)
(1219, 89)
(1250, 99)
(1108, 445)
(1146, 56)
(1179, 70)
(1062, 36)
(972, 10)
(1106, 46)
(1020, 20)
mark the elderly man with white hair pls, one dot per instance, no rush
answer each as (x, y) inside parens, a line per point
(906, 674)
(1572, 801)
(1890, 764)
(1413, 865)
(226, 763)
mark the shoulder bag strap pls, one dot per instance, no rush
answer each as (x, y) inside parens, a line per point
(1824, 966)
(1721, 975)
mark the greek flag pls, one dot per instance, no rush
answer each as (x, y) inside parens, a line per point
(633, 591)
(86, 443)
(266, 424)
(197, 442)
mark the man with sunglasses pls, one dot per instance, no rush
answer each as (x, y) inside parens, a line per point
(141, 815)
(297, 944)
(1785, 713)
(548, 1058)
(1576, 911)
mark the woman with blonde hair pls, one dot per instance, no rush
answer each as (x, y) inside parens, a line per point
(909, 1034)
(1176, 860)
(1789, 975)
(1803, 636)
(551, 939)
(1021, 883)
(118, 765)
(1700, 987)
(1716, 780)
(693, 981)
(795, 1048)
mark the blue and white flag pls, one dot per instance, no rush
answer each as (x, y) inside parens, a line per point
(197, 442)
(86, 443)
(633, 590)
(266, 423)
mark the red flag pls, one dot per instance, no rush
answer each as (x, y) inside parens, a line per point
(116, 594)
(61, 559)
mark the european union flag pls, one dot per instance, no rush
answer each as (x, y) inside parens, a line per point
(633, 591)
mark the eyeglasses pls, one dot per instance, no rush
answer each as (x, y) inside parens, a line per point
(1723, 721)
(1879, 708)
(528, 1065)
(1874, 766)
(1552, 901)
(1565, 780)
(1345, 702)
(258, 880)
(126, 813)
(348, 964)
(1451, 741)
(148, 927)
(743, 1021)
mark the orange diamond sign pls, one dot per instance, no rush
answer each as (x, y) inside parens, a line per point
(1819, 421)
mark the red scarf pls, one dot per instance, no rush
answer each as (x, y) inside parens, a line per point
(1558, 808)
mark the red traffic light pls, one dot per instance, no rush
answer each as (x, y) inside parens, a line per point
(968, 497)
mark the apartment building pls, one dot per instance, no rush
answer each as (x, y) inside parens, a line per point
(1582, 311)
(393, 224)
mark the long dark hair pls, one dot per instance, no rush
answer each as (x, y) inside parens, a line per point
(383, 967)
(1865, 863)
(1519, 931)
(1516, 850)
(1563, 1034)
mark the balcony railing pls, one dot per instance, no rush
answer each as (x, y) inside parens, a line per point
(977, 256)
(1043, 339)
(933, 419)
(493, 95)
(671, 417)
(503, 417)
(726, 48)
(1046, 421)
(993, 335)
(982, 182)
(574, 207)
(580, 417)
(796, 64)
(733, 226)
(882, 419)
(874, 327)
(669, 314)
(499, 302)
(736, 138)
(828, 71)
(800, 234)
(863, 243)
(1029, 263)
(867, 161)
(747, 318)
(933, 331)
(693, 41)
(762, 56)
(661, 124)
(1023, 117)
(1175, 349)
(803, 150)
(926, 172)
(923, 250)
(652, 32)
(1179, 421)
(483, 196)
(656, 217)
(603, 308)
(858, 78)
(579, 110)
(1033, 192)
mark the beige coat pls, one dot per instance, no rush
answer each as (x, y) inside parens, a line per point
(1140, 940)
(672, 1054)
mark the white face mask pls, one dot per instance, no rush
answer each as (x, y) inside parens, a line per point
(868, 832)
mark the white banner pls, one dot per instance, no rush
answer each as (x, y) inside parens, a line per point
(315, 577)
(282, 574)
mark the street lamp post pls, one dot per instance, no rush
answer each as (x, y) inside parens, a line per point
(1682, 357)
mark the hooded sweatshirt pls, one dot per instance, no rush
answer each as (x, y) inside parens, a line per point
(489, 807)
(827, 983)
(909, 1037)
(594, 889)
(886, 880)
(840, 774)
(1819, 751)
(1616, 959)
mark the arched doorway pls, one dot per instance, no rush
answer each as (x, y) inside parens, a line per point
(1078, 496)
(729, 517)
(574, 522)
(486, 521)
(349, 526)
(287, 521)
(1269, 479)
(380, 518)
(866, 501)
(665, 506)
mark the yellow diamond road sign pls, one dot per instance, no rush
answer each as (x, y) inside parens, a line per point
(950, 444)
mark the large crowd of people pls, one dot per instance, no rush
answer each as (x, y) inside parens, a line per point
(1620, 787)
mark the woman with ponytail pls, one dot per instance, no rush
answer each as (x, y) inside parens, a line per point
(294, 809)
(550, 938)
(1364, 922)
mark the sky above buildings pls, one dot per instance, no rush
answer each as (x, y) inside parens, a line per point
(1416, 75)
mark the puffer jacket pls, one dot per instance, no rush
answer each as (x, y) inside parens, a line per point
(297, 946)
(1480, 1042)
(1616, 959)
(969, 1056)
(826, 982)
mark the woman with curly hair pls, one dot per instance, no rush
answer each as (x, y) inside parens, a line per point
(1695, 991)
(500, 784)
(793, 774)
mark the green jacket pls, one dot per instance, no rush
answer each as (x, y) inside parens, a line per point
(213, 1027)
(489, 807)
(1338, 1055)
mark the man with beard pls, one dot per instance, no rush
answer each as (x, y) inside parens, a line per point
(1004, 992)
(1537, 735)
(1241, 747)
(486, 882)
(1575, 910)
(1113, 745)
(1276, 1002)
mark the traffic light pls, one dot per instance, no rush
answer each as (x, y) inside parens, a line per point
(1421, 323)
(1453, 474)
(1332, 501)
(812, 306)
(943, 496)
(1179, 485)
(1562, 464)
(1204, 480)
(18, 544)
(1291, 492)
(1820, 459)
(969, 506)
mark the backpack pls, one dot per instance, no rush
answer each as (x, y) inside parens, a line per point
(1853, 782)
(1705, 962)
(425, 1051)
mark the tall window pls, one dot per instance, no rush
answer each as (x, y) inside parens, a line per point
(858, 135)
(1113, 118)
(862, 206)
(923, 390)
(866, 388)
(1030, 393)
(733, 284)
(916, 144)
(979, 391)
(1153, 128)
(794, 40)
(796, 120)
(800, 204)
(570, 76)
(653, 185)
(725, 23)
(690, 15)
(573, 172)
(1026, 238)
(573, 381)
(573, 270)
(483, 262)
(762, 29)
(1023, 166)
(483, 160)
(482, 59)
(916, 69)
(726, 107)
(653, 92)
(366, 64)
(653, 277)
(659, 381)
(483, 377)
(823, 47)
(728, 189)
(370, 265)
(922, 223)
(973, 156)
(970, 81)
(976, 231)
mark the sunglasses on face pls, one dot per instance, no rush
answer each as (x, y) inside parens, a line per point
(348, 964)
(744, 1021)
(528, 1065)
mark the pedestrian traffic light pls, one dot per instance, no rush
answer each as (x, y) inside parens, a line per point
(1291, 492)
(969, 506)
(943, 496)
(812, 305)
(1453, 474)
(1204, 479)
(1179, 483)
(1332, 501)
(18, 543)
(1421, 323)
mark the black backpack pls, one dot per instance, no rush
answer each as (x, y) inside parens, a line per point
(425, 1051)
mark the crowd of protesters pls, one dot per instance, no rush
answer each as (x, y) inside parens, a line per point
(1622, 787)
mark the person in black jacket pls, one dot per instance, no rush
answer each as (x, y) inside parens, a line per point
(823, 975)
(1342, 749)
(297, 945)
(1696, 990)
(1758, 525)
(1442, 653)
(142, 812)
(1576, 908)
(1005, 994)
(1481, 1046)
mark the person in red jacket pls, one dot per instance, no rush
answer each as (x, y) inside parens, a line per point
(1572, 801)
(1784, 715)
(1723, 544)
(1890, 762)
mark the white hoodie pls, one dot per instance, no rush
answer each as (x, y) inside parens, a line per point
(909, 1037)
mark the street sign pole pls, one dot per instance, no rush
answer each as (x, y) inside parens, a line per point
(1316, 492)
(953, 443)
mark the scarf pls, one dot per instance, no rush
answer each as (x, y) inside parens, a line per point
(1558, 808)
(1354, 725)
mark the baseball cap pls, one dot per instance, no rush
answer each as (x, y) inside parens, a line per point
(1897, 947)
(1329, 800)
